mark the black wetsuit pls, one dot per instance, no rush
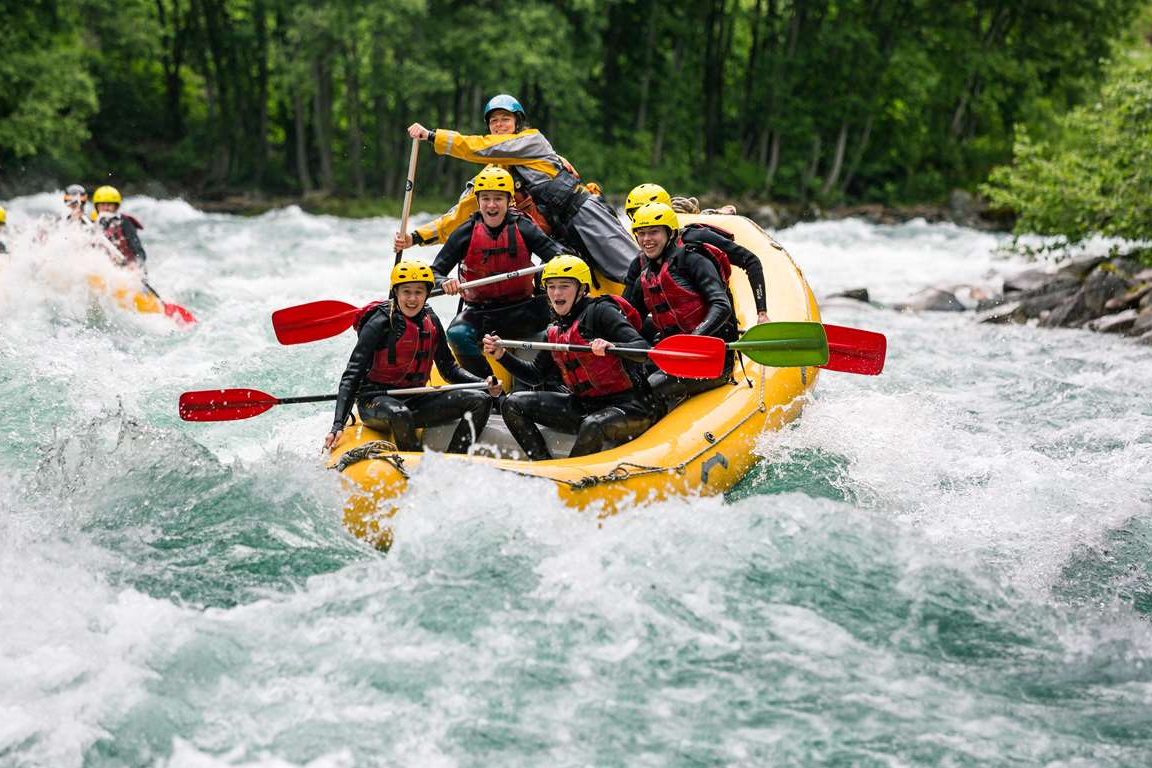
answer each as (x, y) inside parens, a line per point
(122, 230)
(737, 254)
(519, 319)
(697, 273)
(596, 421)
(402, 415)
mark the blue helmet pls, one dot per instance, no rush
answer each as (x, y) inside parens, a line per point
(503, 101)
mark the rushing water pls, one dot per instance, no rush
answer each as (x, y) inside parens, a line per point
(948, 564)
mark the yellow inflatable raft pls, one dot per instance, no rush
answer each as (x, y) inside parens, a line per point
(140, 300)
(702, 447)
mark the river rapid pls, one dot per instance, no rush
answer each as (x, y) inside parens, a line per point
(948, 564)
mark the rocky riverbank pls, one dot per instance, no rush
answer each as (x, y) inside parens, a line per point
(1102, 293)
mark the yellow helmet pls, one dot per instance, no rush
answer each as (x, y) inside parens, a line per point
(493, 179)
(655, 215)
(413, 272)
(646, 193)
(567, 265)
(3, 215)
(106, 194)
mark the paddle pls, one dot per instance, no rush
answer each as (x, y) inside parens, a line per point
(784, 345)
(409, 185)
(236, 404)
(685, 356)
(326, 318)
(174, 311)
(853, 350)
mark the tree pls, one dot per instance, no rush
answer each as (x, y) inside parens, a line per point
(1094, 176)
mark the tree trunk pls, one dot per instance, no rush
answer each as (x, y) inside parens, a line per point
(837, 160)
(748, 131)
(662, 108)
(322, 121)
(171, 61)
(810, 169)
(714, 81)
(355, 129)
(261, 21)
(646, 77)
(773, 163)
(301, 126)
(857, 155)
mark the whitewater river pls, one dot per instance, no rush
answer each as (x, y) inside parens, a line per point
(945, 565)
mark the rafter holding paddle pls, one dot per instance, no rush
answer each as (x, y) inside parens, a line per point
(689, 357)
(326, 318)
(409, 186)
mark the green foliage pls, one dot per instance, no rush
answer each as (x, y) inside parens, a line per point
(46, 93)
(821, 100)
(1093, 175)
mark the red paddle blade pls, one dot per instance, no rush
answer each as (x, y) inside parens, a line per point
(224, 404)
(312, 321)
(178, 313)
(690, 357)
(852, 350)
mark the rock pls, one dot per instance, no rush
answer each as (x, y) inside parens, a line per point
(1146, 302)
(990, 303)
(1142, 325)
(1088, 302)
(766, 216)
(1081, 267)
(969, 296)
(1117, 323)
(1143, 276)
(962, 207)
(931, 300)
(1005, 313)
(1146, 339)
(1028, 280)
(1132, 297)
(858, 294)
(1034, 305)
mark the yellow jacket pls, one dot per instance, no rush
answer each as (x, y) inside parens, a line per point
(527, 154)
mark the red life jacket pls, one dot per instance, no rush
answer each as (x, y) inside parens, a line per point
(489, 255)
(114, 231)
(629, 311)
(407, 360)
(673, 306)
(588, 375)
(723, 264)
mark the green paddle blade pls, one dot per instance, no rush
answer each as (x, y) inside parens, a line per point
(784, 345)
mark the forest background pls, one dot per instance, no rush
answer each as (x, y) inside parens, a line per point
(806, 102)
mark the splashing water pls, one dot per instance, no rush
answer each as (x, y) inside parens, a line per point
(948, 564)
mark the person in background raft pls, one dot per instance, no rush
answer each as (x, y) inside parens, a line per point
(708, 235)
(397, 342)
(494, 240)
(681, 285)
(608, 404)
(3, 223)
(547, 188)
(120, 228)
(76, 198)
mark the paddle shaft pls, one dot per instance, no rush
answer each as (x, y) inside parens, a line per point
(550, 347)
(409, 185)
(389, 393)
(546, 346)
(493, 279)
